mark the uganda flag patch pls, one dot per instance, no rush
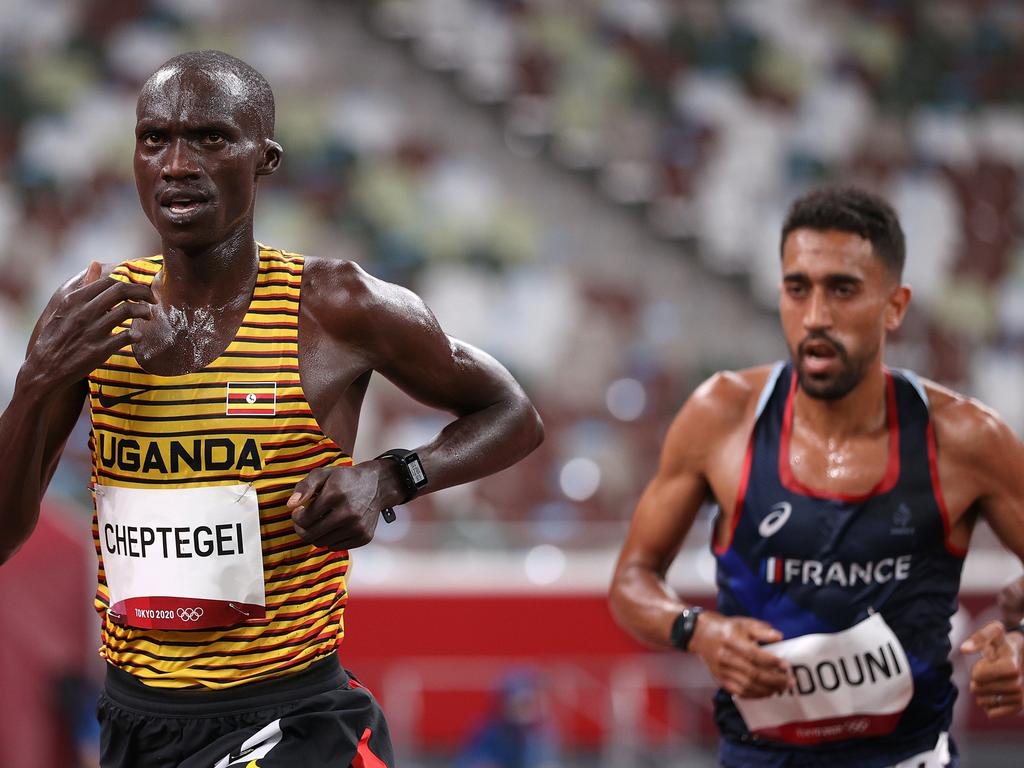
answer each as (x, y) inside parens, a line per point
(252, 398)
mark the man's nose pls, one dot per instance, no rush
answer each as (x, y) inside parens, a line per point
(819, 313)
(180, 161)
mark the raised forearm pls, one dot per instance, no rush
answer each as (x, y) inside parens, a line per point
(482, 442)
(340, 509)
(75, 333)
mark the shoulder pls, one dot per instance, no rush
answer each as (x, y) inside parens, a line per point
(334, 284)
(340, 284)
(966, 429)
(348, 302)
(729, 396)
(724, 404)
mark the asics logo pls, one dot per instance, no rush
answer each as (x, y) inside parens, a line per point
(775, 519)
(190, 614)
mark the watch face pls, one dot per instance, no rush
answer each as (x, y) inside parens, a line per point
(416, 470)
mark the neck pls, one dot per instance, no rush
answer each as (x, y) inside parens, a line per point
(213, 277)
(861, 411)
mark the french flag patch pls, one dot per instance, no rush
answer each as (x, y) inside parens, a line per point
(251, 398)
(772, 569)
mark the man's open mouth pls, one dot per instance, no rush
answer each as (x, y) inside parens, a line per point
(182, 202)
(184, 206)
(819, 350)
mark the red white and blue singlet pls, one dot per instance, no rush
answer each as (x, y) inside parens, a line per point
(809, 563)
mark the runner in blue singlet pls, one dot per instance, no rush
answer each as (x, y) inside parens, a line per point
(847, 495)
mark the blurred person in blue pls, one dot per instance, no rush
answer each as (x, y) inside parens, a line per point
(847, 492)
(518, 732)
(224, 380)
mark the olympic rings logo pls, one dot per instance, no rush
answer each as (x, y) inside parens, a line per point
(855, 726)
(190, 614)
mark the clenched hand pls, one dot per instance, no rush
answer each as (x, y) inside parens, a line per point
(731, 648)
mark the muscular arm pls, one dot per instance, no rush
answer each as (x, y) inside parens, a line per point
(640, 598)
(1002, 473)
(495, 424)
(72, 336)
(980, 465)
(391, 331)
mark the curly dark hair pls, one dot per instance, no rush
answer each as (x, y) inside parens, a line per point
(854, 210)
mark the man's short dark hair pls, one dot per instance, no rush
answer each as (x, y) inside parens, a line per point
(854, 210)
(259, 97)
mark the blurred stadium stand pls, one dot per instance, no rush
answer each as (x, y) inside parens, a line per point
(590, 190)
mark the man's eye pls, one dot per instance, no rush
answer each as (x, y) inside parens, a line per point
(151, 139)
(794, 289)
(213, 137)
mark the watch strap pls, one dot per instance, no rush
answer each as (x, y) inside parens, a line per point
(684, 626)
(410, 475)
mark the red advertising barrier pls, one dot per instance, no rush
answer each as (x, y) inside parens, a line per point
(449, 652)
(46, 635)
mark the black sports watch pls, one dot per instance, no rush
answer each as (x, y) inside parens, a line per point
(410, 474)
(684, 626)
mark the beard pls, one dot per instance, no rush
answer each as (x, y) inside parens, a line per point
(835, 384)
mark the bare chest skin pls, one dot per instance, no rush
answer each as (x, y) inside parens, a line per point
(832, 466)
(178, 341)
(852, 467)
(334, 374)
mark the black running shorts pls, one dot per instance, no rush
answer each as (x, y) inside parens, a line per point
(316, 718)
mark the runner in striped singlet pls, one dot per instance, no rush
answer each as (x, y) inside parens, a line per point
(224, 380)
(242, 420)
(846, 493)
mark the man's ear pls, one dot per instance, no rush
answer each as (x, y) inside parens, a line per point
(272, 152)
(896, 308)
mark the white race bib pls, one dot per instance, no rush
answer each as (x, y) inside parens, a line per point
(182, 558)
(849, 684)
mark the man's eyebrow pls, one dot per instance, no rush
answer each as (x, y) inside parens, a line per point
(831, 277)
(222, 126)
(843, 277)
(213, 124)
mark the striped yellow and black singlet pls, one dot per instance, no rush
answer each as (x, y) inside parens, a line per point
(305, 585)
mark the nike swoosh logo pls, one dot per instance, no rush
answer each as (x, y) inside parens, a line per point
(109, 401)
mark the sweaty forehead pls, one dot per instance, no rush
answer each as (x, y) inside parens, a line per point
(190, 94)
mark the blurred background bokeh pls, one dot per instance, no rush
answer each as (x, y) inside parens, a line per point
(591, 190)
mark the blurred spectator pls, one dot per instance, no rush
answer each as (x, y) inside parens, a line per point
(518, 732)
(77, 698)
